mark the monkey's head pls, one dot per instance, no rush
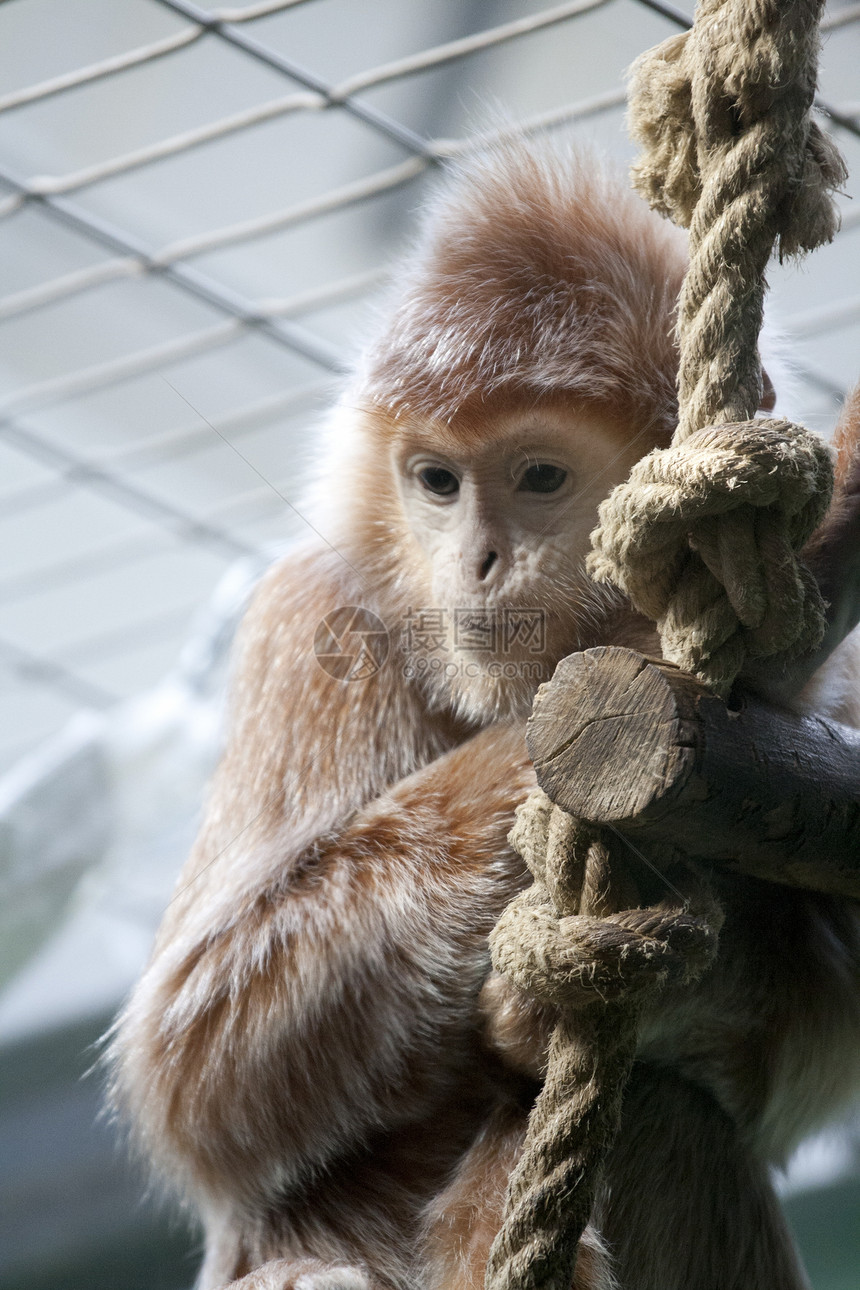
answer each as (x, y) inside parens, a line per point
(529, 361)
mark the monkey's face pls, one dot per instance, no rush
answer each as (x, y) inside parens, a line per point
(499, 511)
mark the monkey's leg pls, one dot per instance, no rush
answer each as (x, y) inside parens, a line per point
(462, 1221)
(231, 1263)
(683, 1205)
(303, 1274)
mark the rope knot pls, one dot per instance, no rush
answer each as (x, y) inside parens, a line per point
(565, 942)
(561, 942)
(704, 537)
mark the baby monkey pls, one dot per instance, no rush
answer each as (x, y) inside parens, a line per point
(318, 1057)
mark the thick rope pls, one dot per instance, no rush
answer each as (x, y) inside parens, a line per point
(704, 538)
(560, 943)
(730, 150)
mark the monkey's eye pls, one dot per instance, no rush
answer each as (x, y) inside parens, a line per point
(438, 480)
(542, 479)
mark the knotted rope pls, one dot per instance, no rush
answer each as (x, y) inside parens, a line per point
(730, 151)
(561, 943)
(704, 538)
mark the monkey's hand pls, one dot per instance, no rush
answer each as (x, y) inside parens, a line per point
(514, 1026)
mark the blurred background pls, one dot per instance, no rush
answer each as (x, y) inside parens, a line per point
(198, 208)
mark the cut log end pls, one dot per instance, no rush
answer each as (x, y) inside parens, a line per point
(606, 711)
(633, 742)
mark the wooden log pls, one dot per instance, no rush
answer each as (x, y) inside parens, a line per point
(637, 744)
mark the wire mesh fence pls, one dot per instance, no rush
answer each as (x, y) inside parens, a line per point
(198, 207)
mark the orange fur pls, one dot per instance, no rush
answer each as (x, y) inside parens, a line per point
(317, 1056)
(535, 275)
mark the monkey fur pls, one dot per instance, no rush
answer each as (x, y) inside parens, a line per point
(318, 1058)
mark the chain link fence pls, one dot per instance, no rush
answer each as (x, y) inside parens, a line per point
(196, 206)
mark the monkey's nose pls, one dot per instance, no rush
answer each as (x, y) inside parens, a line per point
(487, 565)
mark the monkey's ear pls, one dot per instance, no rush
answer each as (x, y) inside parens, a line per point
(768, 393)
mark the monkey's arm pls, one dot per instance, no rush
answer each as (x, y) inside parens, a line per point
(316, 977)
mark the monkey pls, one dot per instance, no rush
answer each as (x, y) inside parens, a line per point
(319, 1058)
